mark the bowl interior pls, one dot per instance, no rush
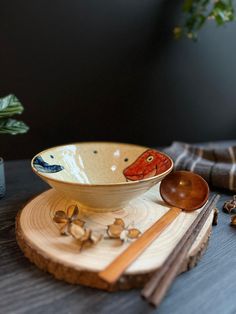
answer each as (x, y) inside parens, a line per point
(100, 163)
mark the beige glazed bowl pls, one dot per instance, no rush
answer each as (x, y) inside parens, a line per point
(101, 176)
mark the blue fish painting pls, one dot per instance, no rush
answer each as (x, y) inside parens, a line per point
(42, 166)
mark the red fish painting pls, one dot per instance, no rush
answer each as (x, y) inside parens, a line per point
(149, 164)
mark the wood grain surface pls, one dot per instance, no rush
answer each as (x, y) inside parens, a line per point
(207, 289)
(39, 238)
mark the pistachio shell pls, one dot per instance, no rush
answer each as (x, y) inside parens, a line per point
(64, 230)
(86, 236)
(114, 231)
(96, 237)
(76, 231)
(60, 217)
(119, 221)
(133, 233)
(72, 212)
(229, 206)
(89, 239)
(79, 222)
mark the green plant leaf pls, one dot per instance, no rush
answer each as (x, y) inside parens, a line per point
(222, 12)
(199, 12)
(12, 126)
(9, 106)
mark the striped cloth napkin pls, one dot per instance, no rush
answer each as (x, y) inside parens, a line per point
(215, 162)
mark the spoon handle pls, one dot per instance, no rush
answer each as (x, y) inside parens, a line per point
(113, 271)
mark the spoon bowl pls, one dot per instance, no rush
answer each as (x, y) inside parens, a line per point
(185, 190)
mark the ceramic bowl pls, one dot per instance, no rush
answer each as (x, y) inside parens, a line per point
(101, 176)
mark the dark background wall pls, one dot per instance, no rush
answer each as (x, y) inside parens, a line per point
(110, 70)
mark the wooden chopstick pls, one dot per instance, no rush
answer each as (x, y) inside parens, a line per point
(114, 270)
(155, 290)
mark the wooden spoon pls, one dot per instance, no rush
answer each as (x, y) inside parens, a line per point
(184, 190)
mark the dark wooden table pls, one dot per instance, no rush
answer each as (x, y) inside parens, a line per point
(208, 288)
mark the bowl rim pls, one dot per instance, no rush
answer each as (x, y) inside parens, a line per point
(44, 177)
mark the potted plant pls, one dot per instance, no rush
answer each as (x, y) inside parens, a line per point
(9, 106)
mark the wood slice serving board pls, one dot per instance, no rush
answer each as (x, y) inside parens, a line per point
(40, 240)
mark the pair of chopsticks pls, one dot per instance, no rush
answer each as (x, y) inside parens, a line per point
(157, 287)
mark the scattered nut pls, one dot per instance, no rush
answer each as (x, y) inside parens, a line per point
(118, 231)
(66, 219)
(70, 224)
(230, 205)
